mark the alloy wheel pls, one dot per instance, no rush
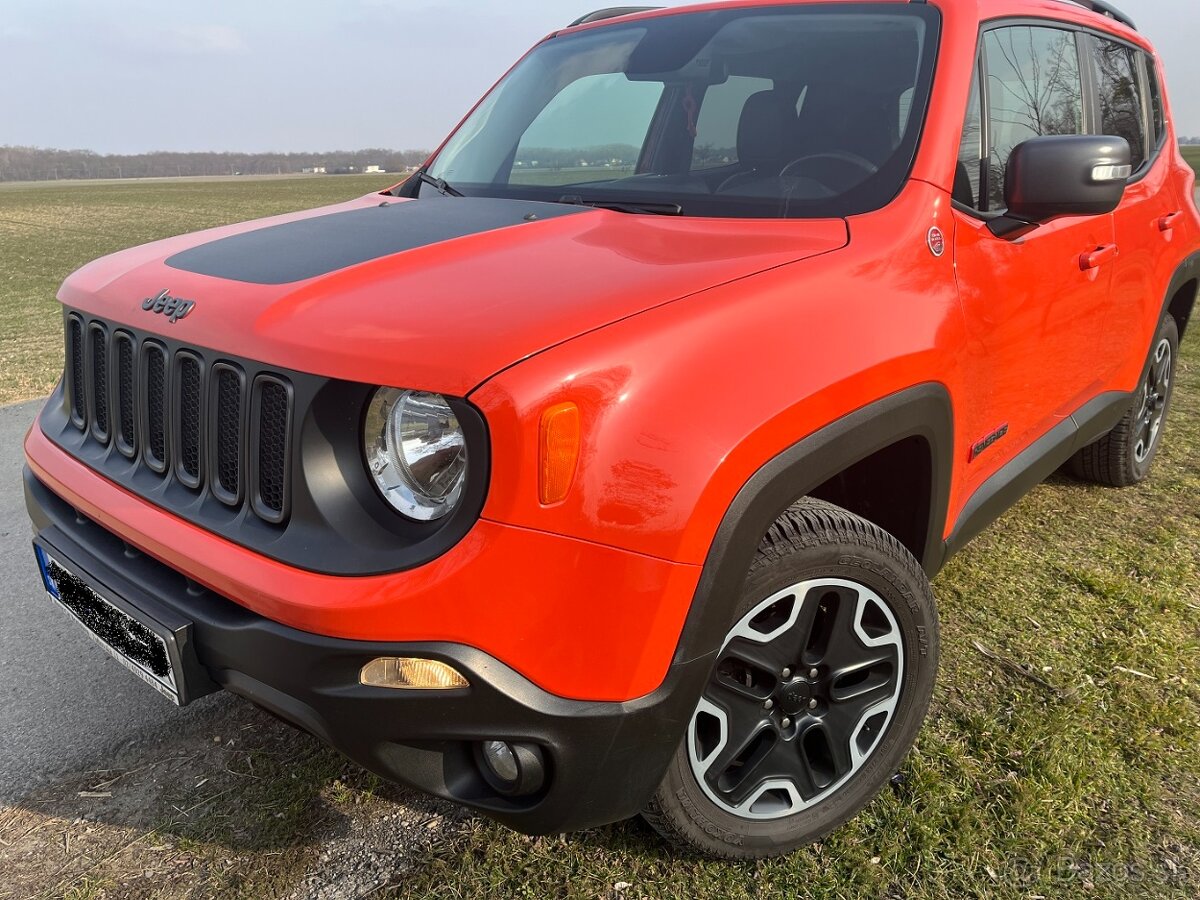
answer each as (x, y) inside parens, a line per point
(804, 689)
(1153, 407)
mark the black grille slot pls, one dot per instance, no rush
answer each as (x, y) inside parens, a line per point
(126, 438)
(98, 369)
(273, 447)
(188, 414)
(228, 437)
(75, 377)
(154, 365)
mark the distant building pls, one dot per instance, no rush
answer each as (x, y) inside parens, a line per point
(313, 170)
(371, 170)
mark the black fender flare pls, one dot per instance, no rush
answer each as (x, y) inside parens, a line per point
(923, 411)
(1187, 270)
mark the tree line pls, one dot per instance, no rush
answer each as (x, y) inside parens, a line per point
(45, 164)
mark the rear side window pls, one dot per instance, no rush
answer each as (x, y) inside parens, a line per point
(717, 124)
(1034, 89)
(1158, 118)
(1117, 89)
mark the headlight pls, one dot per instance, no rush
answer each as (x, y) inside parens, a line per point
(416, 451)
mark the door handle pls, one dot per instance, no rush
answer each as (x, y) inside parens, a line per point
(1095, 258)
(1169, 221)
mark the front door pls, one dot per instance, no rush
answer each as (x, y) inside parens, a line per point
(1035, 306)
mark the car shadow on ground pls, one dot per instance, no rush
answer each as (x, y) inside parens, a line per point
(231, 799)
(230, 793)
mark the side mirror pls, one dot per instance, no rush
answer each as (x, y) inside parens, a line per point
(1062, 175)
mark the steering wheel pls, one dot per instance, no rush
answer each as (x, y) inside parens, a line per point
(861, 163)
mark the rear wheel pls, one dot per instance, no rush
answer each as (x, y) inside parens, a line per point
(819, 690)
(1124, 455)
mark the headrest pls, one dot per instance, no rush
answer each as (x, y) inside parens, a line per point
(766, 129)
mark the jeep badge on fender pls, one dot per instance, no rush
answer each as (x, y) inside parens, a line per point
(174, 308)
(573, 484)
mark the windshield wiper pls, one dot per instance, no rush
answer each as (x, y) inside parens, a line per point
(443, 188)
(625, 206)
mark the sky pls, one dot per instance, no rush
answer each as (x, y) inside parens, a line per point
(127, 76)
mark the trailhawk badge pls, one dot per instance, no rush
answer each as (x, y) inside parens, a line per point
(174, 308)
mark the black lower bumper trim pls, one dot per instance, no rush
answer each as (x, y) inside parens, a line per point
(603, 759)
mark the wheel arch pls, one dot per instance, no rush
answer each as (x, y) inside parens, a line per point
(1180, 299)
(916, 420)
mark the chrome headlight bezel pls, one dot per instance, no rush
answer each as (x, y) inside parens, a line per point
(416, 452)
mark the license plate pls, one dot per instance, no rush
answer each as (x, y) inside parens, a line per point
(133, 642)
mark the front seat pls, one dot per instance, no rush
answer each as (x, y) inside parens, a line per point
(765, 139)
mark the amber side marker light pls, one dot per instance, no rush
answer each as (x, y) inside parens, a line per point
(412, 673)
(558, 451)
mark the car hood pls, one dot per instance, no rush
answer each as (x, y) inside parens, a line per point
(436, 294)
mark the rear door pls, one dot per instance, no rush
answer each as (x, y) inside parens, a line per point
(1034, 312)
(1129, 105)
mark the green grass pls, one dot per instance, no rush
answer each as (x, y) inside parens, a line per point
(1191, 154)
(1087, 788)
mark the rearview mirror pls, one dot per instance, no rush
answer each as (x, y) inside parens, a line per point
(1062, 175)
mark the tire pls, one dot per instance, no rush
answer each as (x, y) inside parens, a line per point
(1123, 456)
(852, 610)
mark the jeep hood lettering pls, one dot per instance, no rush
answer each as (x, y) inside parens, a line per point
(436, 294)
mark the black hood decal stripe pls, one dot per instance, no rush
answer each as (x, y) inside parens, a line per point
(307, 248)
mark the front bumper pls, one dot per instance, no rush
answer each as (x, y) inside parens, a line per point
(578, 619)
(604, 759)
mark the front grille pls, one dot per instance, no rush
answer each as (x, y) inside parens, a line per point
(182, 416)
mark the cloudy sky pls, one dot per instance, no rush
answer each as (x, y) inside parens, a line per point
(124, 76)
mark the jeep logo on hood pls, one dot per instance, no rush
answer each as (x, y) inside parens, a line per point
(174, 308)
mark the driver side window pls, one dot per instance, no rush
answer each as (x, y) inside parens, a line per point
(968, 174)
(1033, 89)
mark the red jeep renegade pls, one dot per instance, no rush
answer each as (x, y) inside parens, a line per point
(601, 467)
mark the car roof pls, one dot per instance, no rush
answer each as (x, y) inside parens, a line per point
(983, 10)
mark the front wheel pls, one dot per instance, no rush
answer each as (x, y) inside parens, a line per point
(819, 690)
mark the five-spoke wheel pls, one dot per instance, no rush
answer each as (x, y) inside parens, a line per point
(816, 693)
(804, 688)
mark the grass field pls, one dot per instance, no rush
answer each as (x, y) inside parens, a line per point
(1192, 154)
(1060, 758)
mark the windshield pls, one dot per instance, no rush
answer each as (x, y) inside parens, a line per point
(798, 111)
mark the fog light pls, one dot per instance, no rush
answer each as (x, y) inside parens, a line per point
(511, 769)
(411, 672)
(500, 758)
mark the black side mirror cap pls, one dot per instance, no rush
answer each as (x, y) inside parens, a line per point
(1062, 175)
